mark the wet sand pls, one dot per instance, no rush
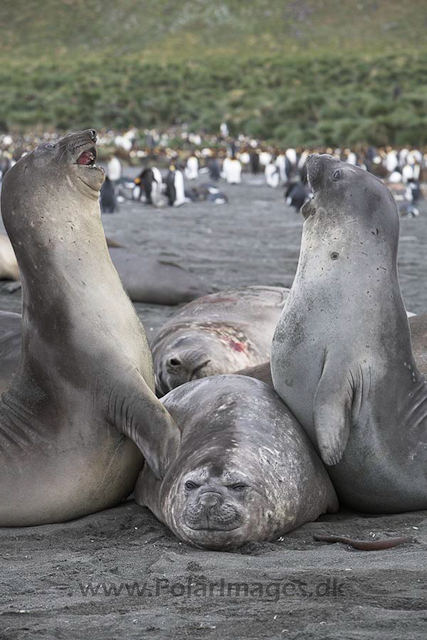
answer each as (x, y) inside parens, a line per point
(121, 574)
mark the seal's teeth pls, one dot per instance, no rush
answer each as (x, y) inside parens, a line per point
(87, 158)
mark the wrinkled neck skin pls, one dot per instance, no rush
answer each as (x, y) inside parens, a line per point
(73, 299)
(334, 229)
(53, 242)
(347, 270)
(63, 260)
(345, 316)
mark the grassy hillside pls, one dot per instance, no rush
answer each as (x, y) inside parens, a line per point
(185, 29)
(307, 72)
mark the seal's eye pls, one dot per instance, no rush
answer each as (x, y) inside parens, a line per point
(337, 175)
(191, 485)
(50, 145)
(238, 487)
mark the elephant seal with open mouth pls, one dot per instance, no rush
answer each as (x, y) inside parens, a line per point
(81, 410)
(342, 357)
(245, 471)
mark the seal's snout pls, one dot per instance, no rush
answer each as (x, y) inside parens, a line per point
(209, 500)
(314, 170)
(316, 165)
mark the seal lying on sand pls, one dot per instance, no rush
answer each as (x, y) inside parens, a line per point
(220, 333)
(144, 279)
(341, 355)
(245, 470)
(83, 393)
(156, 281)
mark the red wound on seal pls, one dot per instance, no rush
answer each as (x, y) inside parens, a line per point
(237, 346)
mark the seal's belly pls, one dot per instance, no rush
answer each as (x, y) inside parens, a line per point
(56, 484)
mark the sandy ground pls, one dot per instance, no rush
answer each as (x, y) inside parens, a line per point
(121, 574)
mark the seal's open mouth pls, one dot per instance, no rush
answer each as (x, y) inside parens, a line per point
(87, 158)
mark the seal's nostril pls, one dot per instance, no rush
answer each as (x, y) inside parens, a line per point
(175, 362)
(92, 134)
(208, 500)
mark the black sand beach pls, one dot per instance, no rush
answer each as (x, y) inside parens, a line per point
(121, 574)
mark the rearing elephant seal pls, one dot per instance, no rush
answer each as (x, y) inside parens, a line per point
(83, 393)
(245, 471)
(341, 356)
(219, 333)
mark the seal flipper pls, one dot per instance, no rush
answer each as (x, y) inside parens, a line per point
(147, 492)
(137, 413)
(332, 410)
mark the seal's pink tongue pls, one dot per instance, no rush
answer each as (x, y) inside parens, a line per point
(86, 157)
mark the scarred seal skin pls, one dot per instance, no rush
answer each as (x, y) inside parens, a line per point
(342, 358)
(219, 333)
(245, 471)
(80, 410)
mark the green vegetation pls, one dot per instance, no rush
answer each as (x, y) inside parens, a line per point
(322, 72)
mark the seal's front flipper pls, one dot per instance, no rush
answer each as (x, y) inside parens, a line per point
(138, 414)
(147, 492)
(332, 414)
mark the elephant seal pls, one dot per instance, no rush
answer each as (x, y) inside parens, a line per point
(144, 279)
(10, 347)
(8, 265)
(259, 372)
(156, 281)
(417, 326)
(9, 269)
(418, 329)
(81, 407)
(220, 333)
(245, 471)
(341, 355)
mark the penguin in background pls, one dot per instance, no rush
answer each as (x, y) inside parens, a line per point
(296, 194)
(149, 182)
(175, 191)
(108, 200)
(232, 169)
(192, 167)
(214, 168)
